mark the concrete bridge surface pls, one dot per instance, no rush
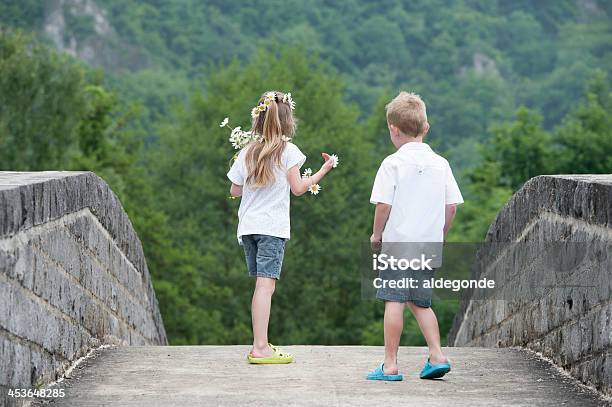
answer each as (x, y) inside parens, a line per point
(321, 376)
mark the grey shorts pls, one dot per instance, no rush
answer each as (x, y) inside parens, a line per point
(264, 255)
(418, 295)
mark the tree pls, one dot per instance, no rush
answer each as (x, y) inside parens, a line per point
(41, 105)
(518, 151)
(584, 138)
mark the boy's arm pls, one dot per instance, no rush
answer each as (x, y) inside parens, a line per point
(449, 214)
(383, 192)
(381, 216)
(236, 190)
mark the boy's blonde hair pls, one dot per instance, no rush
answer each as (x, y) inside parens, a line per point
(407, 112)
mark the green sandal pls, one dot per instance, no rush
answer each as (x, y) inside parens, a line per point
(279, 357)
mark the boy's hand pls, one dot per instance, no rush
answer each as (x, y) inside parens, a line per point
(376, 242)
(328, 164)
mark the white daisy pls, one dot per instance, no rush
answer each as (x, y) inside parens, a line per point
(235, 132)
(307, 172)
(245, 138)
(289, 100)
(335, 160)
(285, 138)
(224, 122)
(254, 112)
(236, 138)
(314, 189)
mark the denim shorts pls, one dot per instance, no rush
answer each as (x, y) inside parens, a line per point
(418, 295)
(264, 255)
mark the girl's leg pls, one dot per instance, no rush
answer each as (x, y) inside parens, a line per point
(260, 314)
(429, 327)
(394, 323)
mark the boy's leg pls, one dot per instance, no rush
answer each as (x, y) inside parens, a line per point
(260, 315)
(429, 327)
(394, 324)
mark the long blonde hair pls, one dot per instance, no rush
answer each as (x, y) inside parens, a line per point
(264, 154)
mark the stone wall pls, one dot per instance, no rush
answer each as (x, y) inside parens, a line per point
(567, 316)
(72, 275)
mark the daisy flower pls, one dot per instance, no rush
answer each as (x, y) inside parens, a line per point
(245, 138)
(224, 122)
(314, 189)
(335, 160)
(237, 138)
(307, 172)
(254, 112)
(290, 100)
(285, 138)
(292, 105)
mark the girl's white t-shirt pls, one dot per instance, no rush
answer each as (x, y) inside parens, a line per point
(265, 210)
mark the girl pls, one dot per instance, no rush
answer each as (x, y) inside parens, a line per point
(263, 173)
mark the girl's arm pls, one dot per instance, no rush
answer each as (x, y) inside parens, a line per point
(236, 190)
(300, 185)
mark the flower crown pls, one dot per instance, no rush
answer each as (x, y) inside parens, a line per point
(240, 138)
(269, 98)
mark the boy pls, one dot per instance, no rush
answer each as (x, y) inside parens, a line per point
(416, 196)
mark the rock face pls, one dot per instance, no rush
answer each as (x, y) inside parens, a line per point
(561, 304)
(72, 275)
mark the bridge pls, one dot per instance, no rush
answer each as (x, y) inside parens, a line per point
(78, 312)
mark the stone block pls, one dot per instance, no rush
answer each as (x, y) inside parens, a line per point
(558, 303)
(72, 275)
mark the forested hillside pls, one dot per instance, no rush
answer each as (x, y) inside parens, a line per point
(514, 89)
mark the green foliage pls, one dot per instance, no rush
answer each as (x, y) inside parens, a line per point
(584, 139)
(475, 62)
(41, 103)
(21, 13)
(520, 150)
(55, 115)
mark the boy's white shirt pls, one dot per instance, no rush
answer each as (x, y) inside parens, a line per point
(418, 184)
(265, 210)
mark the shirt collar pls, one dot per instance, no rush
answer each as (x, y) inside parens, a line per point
(415, 146)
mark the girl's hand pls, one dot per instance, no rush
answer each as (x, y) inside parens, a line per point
(328, 164)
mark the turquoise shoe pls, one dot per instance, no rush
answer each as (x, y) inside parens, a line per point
(434, 371)
(379, 374)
